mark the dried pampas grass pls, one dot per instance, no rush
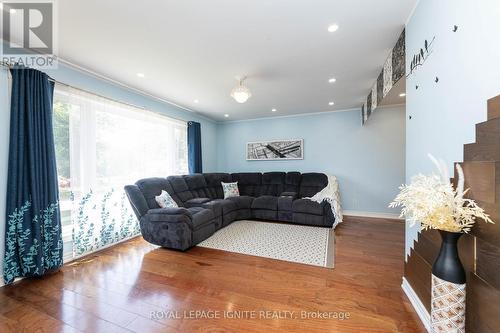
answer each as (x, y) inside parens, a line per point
(432, 201)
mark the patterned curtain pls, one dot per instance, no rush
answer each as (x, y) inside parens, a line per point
(33, 240)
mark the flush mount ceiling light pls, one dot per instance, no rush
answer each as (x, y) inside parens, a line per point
(240, 93)
(196, 101)
(332, 80)
(226, 115)
(333, 27)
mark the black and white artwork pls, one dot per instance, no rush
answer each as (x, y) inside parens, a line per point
(275, 150)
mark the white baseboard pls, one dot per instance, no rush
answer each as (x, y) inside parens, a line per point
(417, 304)
(372, 214)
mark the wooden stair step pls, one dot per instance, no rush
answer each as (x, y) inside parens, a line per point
(481, 180)
(487, 231)
(494, 108)
(427, 247)
(483, 306)
(488, 132)
(481, 152)
(488, 262)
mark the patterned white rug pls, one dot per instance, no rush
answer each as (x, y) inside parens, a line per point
(295, 243)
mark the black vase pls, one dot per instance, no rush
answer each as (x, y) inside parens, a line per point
(448, 266)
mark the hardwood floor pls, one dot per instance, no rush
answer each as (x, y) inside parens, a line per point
(121, 288)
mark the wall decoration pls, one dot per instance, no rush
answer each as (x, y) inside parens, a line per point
(421, 56)
(399, 59)
(380, 87)
(393, 71)
(387, 74)
(275, 150)
(369, 105)
(374, 96)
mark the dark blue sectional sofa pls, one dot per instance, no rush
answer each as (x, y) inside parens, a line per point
(271, 196)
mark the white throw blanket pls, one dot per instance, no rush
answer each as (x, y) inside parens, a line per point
(331, 195)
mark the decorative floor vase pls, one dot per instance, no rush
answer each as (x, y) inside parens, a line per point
(448, 287)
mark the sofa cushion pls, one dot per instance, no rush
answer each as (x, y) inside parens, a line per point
(227, 205)
(249, 183)
(197, 185)
(201, 217)
(285, 203)
(312, 183)
(180, 188)
(292, 182)
(215, 206)
(308, 206)
(272, 183)
(196, 202)
(289, 195)
(265, 202)
(214, 187)
(151, 187)
(243, 201)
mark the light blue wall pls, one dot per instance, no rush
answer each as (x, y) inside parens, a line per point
(368, 160)
(467, 64)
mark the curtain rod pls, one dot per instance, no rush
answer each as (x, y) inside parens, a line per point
(51, 79)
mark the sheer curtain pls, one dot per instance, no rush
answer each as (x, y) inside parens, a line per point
(101, 146)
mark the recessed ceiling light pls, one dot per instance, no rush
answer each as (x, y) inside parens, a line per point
(141, 75)
(331, 103)
(333, 28)
(402, 95)
(332, 80)
(196, 101)
(226, 115)
(273, 110)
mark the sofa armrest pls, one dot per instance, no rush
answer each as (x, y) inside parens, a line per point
(137, 200)
(329, 218)
(289, 194)
(170, 215)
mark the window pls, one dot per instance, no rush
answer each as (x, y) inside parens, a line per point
(101, 146)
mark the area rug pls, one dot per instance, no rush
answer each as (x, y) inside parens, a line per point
(295, 243)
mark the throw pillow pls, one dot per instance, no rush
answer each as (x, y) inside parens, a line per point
(164, 200)
(230, 190)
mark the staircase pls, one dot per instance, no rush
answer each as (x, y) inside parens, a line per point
(480, 250)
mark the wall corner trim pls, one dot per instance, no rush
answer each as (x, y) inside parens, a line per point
(417, 304)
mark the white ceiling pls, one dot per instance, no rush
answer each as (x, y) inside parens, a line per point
(193, 50)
